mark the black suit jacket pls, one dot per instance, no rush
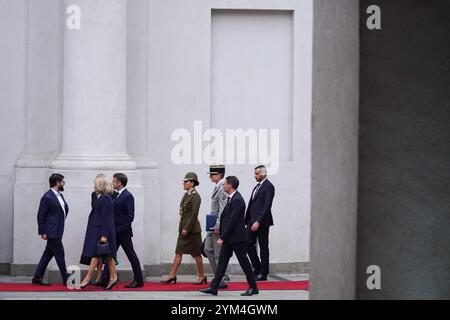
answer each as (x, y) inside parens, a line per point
(232, 226)
(51, 216)
(260, 208)
(124, 212)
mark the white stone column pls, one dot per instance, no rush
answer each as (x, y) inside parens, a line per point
(93, 139)
(94, 92)
(137, 98)
(43, 78)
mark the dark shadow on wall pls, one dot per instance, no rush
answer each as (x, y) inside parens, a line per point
(404, 151)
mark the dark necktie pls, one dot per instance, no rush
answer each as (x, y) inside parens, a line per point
(64, 200)
(256, 190)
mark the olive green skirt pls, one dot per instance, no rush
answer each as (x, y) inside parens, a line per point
(189, 244)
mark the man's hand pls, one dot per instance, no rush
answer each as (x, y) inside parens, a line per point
(219, 242)
(44, 237)
(216, 230)
(103, 239)
(255, 226)
(184, 232)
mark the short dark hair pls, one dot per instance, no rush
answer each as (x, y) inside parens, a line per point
(222, 174)
(234, 181)
(122, 178)
(54, 179)
(262, 169)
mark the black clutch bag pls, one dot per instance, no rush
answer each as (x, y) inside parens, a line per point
(103, 249)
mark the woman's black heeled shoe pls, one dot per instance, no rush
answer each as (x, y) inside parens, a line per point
(115, 283)
(85, 286)
(174, 280)
(203, 281)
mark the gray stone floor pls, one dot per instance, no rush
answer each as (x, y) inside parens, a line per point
(158, 295)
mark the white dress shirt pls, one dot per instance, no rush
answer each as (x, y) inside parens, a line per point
(61, 201)
(120, 191)
(231, 195)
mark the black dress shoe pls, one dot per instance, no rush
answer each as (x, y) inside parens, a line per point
(135, 284)
(250, 292)
(209, 291)
(261, 277)
(40, 282)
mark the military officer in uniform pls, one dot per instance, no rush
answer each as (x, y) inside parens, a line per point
(189, 230)
(218, 201)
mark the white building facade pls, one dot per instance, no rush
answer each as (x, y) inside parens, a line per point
(108, 96)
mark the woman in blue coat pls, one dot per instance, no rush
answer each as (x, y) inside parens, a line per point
(100, 229)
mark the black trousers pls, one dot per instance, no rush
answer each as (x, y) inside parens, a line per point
(262, 235)
(54, 248)
(125, 241)
(225, 255)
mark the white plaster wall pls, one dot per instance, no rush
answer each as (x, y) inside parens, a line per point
(43, 91)
(168, 87)
(179, 92)
(137, 78)
(12, 109)
(33, 114)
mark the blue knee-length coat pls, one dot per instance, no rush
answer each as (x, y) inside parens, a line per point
(100, 223)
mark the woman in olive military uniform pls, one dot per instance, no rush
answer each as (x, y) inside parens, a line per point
(189, 230)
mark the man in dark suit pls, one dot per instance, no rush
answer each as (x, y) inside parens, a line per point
(258, 219)
(233, 238)
(123, 217)
(52, 213)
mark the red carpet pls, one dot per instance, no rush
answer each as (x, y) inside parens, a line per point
(156, 286)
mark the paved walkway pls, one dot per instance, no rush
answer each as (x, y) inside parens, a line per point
(158, 295)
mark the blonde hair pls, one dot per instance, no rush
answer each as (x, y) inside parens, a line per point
(102, 184)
